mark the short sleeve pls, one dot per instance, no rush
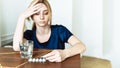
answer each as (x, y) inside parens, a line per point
(64, 33)
(28, 34)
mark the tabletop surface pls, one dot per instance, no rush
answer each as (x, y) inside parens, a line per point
(11, 59)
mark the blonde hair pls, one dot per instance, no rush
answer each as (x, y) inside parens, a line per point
(46, 3)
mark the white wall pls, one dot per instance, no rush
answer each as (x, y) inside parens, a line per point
(107, 25)
(99, 23)
(112, 36)
(87, 24)
(0, 21)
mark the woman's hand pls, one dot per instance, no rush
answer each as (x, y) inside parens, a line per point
(31, 11)
(55, 56)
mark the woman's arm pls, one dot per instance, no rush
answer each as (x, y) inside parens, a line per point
(77, 47)
(60, 55)
(18, 35)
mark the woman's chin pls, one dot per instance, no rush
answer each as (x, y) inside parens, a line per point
(42, 25)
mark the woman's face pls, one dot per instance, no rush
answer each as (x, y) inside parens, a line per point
(42, 17)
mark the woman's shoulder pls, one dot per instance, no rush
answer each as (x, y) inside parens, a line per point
(58, 26)
(29, 31)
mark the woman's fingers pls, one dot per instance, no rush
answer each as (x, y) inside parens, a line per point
(53, 56)
(56, 59)
(36, 7)
(31, 10)
(53, 60)
(49, 55)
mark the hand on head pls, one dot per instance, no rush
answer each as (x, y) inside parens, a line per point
(32, 9)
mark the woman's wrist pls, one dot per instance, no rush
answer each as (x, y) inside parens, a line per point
(67, 53)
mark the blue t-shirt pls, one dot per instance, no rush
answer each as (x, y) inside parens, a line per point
(59, 36)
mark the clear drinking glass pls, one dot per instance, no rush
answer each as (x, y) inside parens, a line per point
(26, 49)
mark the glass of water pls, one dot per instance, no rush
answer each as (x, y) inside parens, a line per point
(26, 49)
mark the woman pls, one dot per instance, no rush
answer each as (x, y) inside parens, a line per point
(45, 35)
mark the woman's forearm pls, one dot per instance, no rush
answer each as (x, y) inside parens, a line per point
(75, 49)
(18, 35)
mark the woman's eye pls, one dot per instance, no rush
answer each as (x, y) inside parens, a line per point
(46, 13)
(36, 13)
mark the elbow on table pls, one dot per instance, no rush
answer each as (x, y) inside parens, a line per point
(15, 47)
(83, 48)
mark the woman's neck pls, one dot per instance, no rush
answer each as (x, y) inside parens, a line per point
(43, 30)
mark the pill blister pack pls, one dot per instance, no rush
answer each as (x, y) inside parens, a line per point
(41, 59)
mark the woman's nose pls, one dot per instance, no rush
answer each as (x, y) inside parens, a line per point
(41, 16)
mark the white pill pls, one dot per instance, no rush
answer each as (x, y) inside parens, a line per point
(40, 60)
(43, 60)
(33, 60)
(30, 60)
(36, 60)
